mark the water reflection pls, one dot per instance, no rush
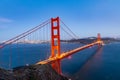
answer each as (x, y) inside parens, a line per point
(95, 59)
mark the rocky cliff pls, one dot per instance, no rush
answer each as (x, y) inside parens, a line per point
(33, 72)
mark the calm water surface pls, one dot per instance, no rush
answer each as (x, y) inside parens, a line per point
(90, 64)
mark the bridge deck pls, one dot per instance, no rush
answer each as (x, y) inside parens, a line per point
(66, 54)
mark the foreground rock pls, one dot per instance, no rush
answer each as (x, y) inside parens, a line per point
(35, 72)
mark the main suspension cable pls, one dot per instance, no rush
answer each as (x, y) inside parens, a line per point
(75, 36)
(10, 41)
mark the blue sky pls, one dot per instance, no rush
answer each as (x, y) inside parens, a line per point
(85, 17)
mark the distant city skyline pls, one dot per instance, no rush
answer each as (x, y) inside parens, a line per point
(85, 18)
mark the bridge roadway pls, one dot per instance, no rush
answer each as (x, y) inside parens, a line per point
(66, 54)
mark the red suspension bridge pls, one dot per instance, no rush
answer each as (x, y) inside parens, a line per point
(56, 55)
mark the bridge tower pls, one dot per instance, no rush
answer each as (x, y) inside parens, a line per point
(55, 42)
(98, 37)
(99, 40)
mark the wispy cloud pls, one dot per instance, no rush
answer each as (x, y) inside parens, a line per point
(5, 20)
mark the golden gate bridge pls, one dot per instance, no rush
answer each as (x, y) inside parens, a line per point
(53, 26)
